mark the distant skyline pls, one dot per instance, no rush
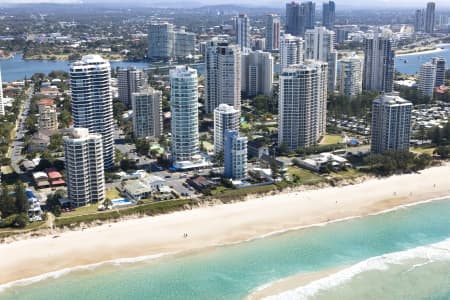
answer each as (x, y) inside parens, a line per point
(412, 4)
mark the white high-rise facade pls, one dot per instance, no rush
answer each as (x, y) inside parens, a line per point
(302, 105)
(164, 42)
(391, 124)
(291, 50)
(130, 80)
(319, 45)
(160, 40)
(85, 177)
(257, 73)
(225, 118)
(2, 106)
(184, 110)
(243, 32)
(272, 32)
(147, 113)
(350, 77)
(92, 101)
(235, 155)
(378, 72)
(223, 75)
(427, 78)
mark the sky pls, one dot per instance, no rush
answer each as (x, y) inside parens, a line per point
(273, 3)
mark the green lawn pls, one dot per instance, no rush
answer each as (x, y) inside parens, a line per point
(330, 139)
(112, 194)
(80, 211)
(305, 176)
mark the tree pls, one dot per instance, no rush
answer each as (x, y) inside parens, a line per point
(443, 151)
(21, 220)
(56, 142)
(21, 201)
(7, 203)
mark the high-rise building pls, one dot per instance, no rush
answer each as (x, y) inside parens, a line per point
(295, 19)
(427, 78)
(309, 9)
(430, 17)
(319, 45)
(92, 101)
(257, 73)
(243, 32)
(184, 110)
(223, 75)
(257, 44)
(300, 17)
(2, 107)
(147, 113)
(419, 20)
(440, 64)
(291, 50)
(183, 43)
(378, 73)
(272, 32)
(349, 78)
(235, 155)
(225, 118)
(48, 118)
(328, 14)
(164, 42)
(85, 177)
(160, 40)
(302, 105)
(130, 80)
(391, 124)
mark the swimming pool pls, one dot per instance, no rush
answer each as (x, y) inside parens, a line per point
(121, 202)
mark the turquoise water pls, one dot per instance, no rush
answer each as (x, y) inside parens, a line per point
(413, 62)
(232, 272)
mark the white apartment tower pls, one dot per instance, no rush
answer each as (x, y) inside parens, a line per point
(130, 80)
(160, 40)
(147, 113)
(378, 73)
(427, 79)
(291, 50)
(235, 155)
(243, 32)
(302, 105)
(184, 109)
(319, 45)
(257, 73)
(223, 75)
(272, 32)
(350, 77)
(164, 42)
(226, 117)
(85, 176)
(391, 123)
(92, 101)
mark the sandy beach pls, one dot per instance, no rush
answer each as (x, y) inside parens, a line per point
(439, 48)
(216, 225)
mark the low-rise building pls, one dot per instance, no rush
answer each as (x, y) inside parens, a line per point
(136, 189)
(323, 162)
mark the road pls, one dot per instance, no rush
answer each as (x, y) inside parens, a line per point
(17, 144)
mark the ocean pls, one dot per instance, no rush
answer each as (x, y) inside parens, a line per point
(400, 254)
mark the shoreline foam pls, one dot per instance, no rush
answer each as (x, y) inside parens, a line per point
(439, 251)
(245, 221)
